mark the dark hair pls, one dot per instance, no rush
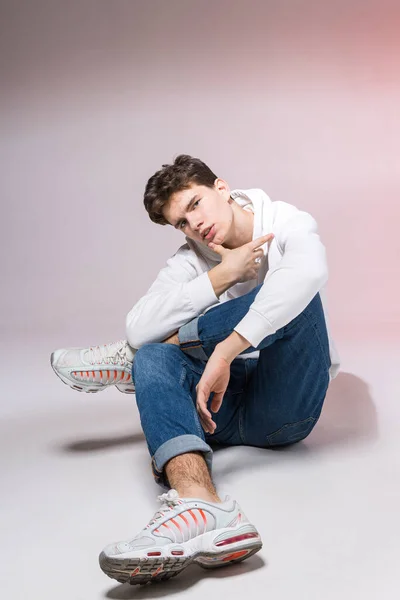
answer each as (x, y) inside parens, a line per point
(185, 171)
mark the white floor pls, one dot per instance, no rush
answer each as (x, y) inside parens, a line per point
(76, 476)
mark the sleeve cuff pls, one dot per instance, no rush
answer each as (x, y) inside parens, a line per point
(201, 292)
(254, 327)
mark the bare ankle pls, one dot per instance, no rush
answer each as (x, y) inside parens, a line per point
(173, 339)
(188, 474)
(196, 491)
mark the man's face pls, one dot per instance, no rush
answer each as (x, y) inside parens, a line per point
(209, 207)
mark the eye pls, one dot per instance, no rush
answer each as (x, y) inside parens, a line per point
(183, 220)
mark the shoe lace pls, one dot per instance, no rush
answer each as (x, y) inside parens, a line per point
(113, 353)
(170, 500)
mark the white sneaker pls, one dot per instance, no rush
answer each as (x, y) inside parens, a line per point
(96, 368)
(185, 530)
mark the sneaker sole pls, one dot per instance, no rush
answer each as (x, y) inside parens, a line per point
(89, 390)
(140, 571)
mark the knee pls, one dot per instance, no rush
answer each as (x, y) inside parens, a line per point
(152, 358)
(155, 349)
(290, 433)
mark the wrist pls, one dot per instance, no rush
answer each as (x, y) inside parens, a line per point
(226, 273)
(232, 346)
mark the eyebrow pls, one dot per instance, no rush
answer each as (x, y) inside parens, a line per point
(187, 208)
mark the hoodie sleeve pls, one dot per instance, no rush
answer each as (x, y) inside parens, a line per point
(180, 293)
(294, 281)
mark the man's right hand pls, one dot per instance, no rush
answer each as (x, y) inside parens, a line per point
(240, 262)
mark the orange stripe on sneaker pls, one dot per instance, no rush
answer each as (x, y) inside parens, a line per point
(123, 376)
(115, 375)
(185, 519)
(194, 517)
(204, 518)
(177, 524)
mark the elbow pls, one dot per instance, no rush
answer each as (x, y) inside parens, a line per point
(131, 333)
(321, 278)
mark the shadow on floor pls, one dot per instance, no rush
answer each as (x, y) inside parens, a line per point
(348, 415)
(348, 418)
(104, 442)
(185, 580)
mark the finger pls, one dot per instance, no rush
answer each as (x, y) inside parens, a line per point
(217, 248)
(202, 404)
(205, 415)
(207, 424)
(259, 252)
(261, 240)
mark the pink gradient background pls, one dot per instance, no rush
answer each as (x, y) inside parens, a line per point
(298, 98)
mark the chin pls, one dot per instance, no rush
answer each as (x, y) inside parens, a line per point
(217, 239)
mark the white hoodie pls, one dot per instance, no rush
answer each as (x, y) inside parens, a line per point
(294, 269)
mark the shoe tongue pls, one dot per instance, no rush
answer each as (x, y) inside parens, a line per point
(109, 350)
(96, 354)
(130, 352)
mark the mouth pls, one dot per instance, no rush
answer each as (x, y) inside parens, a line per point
(210, 233)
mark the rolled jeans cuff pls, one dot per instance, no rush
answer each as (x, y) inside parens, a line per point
(188, 336)
(174, 447)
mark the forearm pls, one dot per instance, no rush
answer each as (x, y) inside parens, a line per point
(235, 343)
(220, 279)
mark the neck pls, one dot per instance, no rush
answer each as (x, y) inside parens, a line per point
(242, 227)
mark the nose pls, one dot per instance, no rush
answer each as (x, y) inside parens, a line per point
(196, 228)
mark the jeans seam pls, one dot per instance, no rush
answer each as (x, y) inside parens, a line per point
(313, 419)
(317, 335)
(241, 429)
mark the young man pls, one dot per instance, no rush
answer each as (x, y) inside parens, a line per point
(229, 346)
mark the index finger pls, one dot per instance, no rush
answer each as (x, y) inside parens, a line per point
(202, 403)
(261, 240)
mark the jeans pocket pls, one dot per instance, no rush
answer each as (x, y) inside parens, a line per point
(291, 432)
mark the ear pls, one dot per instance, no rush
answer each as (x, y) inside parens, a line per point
(223, 189)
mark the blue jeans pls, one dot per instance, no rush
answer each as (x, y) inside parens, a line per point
(274, 400)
